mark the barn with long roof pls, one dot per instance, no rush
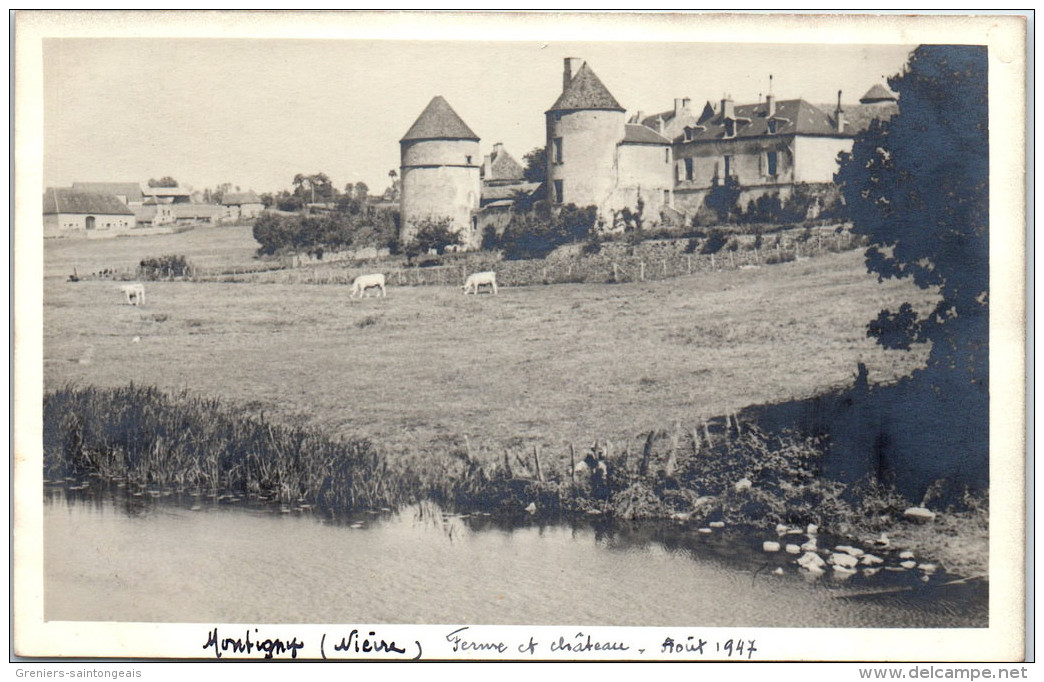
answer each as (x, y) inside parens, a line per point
(66, 211)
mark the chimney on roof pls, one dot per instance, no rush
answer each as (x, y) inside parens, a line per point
(659, 124)
(728, 110)
(679, 104)
(839, 115)
(639, 117)
(770, 100)
(685, 102)
(497, 148)
(572, 65)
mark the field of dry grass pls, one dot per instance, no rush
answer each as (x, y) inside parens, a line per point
(204, 246)
(426, 366)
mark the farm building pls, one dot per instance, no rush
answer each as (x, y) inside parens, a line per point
(674, 159)
(69, 212)
(170, 195)
(499, 167)
(503, 183)
(127, 192)
(242, 205)
(197, 213)
(154, 213)
(764, 148)
(440, 173)
(594, 157)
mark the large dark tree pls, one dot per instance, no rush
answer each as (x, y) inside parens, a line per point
(165, 181)
(918, 187)
(535, 165)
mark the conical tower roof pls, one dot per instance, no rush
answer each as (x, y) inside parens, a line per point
(585, 91)
(878, 93)
(438, 121)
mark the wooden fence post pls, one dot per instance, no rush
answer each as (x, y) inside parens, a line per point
(641, 271)
(536, 460)
(572, 464)
(643, 466)
(616, 277)
(688, 263)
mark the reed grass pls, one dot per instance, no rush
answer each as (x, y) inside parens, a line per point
(185, 443)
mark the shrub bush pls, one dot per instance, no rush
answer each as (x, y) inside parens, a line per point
(164, 267)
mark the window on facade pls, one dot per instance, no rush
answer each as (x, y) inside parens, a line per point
(728, 166)
(688, 169)
(557, 142)
(559, 192)
(772, 161)
(469, 160)
(667, 155)
(666, 197)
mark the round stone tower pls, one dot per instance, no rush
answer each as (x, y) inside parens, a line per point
(440, 173)
(584, 127)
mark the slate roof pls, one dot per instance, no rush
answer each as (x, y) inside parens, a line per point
(196, 210)
(503, 192)
(585, 91)
(639, 134)
(793, 117)
(64, 200)
(503, 167)
(878, 93)
(165, 191)
(438, 121)
(241, 198)
(131, 190)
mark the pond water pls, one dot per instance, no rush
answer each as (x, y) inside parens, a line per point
(119, 558)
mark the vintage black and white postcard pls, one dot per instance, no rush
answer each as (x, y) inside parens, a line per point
(465, 336)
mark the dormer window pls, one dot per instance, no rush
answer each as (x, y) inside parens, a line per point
(730, 127)
(772, 126)
(689, 133)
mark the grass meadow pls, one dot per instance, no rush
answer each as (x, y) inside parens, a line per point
(426, 366)
(203, 245)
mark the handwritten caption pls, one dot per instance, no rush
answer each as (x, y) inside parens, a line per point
(469, 642)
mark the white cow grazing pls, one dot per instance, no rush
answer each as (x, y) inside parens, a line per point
(363, 282)
(478, 279)
(135, 293)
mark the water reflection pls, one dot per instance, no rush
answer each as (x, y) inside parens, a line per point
(114, 555)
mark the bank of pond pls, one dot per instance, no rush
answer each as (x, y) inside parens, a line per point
(765, 491)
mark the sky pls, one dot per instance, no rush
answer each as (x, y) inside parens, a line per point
(256, 112)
